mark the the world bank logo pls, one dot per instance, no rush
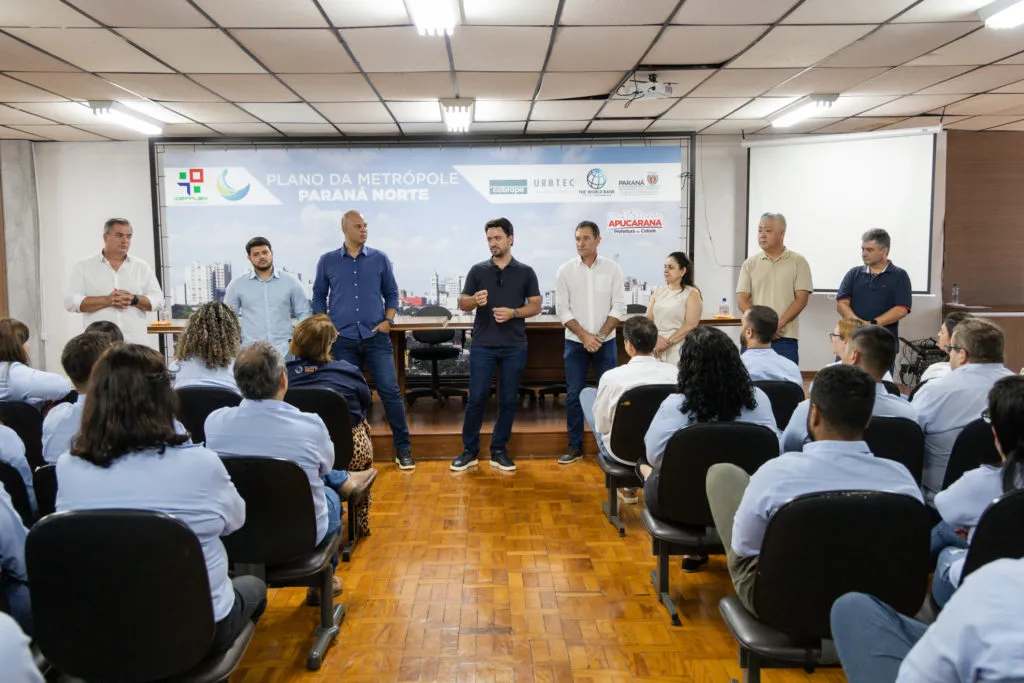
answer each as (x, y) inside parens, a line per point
(596, 179)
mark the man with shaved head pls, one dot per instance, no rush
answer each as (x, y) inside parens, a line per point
(356, 286)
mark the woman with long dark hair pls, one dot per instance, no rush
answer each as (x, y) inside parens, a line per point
(676, 307)
(18, 381)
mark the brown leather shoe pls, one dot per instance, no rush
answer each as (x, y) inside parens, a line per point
(313, 594)
(357, 481)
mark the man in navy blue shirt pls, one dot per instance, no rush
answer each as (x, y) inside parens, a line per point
(878, 292)
(503, 292)
(356, 286)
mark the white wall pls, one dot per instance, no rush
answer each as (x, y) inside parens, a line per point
(80, 186)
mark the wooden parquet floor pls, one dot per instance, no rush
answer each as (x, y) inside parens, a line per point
(487, 576)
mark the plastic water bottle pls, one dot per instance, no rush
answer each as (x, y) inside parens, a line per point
(723, 309)
(955, 294)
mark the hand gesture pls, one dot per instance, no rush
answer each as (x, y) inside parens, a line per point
(381, 327)
(480, 298)
(662, 345)
(120, 298)
(502, 314)
(591, 342)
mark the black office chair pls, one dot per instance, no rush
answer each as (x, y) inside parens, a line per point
(633, 414)
(141, 609)
(897, 439)
(44, 481)
(333, 410)
(198, 402)
(278, 541)
(27, 422)
(999, 534)
(11, 480)
(632, 309)
(891, 387)
(784, 396)
(684, 524)
(818, 547)
(440, 348)
(917, 387)
(974, 447)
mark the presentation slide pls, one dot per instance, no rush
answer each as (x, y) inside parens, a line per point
(833, 192)
(426, 208)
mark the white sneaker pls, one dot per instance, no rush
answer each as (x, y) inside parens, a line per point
(628, 496)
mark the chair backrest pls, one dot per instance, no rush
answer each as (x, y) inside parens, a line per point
(633, 415)
(198, 402)
(820, 546)
(682, 496)
(15, 486)
(280, 520)
(891, 387)
(974, 447)
(999, 534)
(433, 336)
(333, 410)
(27, 422)
(784, 396)
(141, 607)
(635, 308)
(898, 439)
(917, 387)
(44, 480)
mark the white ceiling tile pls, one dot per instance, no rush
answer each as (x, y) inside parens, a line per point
(556, 126)
(211, 112)
(735, 126)
(331, 87)
(851, 105)
(1014, 59)
(904, 80)
(980, 80)
(613, 12)
(283, 112)
(920, 122)
(193, 50)
(1017, 86)
(898, 43)
(189, 130)
(368, 128)
(823, 80)
(244, 129)
(246, 87)
(75, 86)
(162, 87)
(40, 13)
(985, 104)
(565, 110)
(681, 125)
(501, 48)
(352, 13)
(984, 122)
(789, 46)
(311, 129)
(297, 50)
(9, 115)
(16, 56)
(762, 107)
(500, 110)
(1017, 125)
(846, 12)
(912, 105)
(398, 48)
(944, 10)
(732, 12)
(857, 124)
(705, 107)
(425, 111)
(13, 134)
(643, 107)
(264, 13)
(981, 47)
(497, 127)
(423, 85)
(355, 112)
(702, 44)
(62, 133)
(432, 128)
(16, 91)
(560, 85)
(92, 49)
(742, 82)
(156, 111)
(61, 112)
(114, 131)
(518, 13)
(502, 85)
(619, 125)
(142, 13)
(574, 47)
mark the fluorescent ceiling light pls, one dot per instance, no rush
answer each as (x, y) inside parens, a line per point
(802, 109)
(1003, 14)
(107, 111)
(457, 114)
(434, 17)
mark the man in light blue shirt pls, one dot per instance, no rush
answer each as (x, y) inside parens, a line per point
(65, 419)
(760, 324)
(838, 460)
(870, 349)
(266, 300)
(16, 654)
(13, 572)
(946, 405)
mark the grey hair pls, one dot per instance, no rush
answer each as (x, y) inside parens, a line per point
(109, 225)
(775, 217)
(876, 235)
(258, 369)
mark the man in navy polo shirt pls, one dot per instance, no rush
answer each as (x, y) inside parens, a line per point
(503, 292)
(878, 292)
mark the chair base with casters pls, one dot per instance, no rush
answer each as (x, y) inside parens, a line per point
(436, 391)
(554, 391)
(616, 476)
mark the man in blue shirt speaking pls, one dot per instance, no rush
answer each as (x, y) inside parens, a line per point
(356, 286)
(877, 292)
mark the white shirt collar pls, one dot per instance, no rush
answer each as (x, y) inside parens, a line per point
(643, 359)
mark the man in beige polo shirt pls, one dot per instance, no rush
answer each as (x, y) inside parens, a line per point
(778, 278)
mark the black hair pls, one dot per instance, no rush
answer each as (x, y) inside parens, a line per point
(1006, 411)
(590, 224)
(503, 223)
(712, 379)
(108, 328)
(257, 242)
(954, 319)
(845, 397)
(764, 321)
(81, 353)
(877, 348)
(641, 333)
(683, 261)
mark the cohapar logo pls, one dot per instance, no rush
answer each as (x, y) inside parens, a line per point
(232, 185)
(627, 222)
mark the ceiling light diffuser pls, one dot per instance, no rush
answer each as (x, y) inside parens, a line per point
(457, 114)
(803, 109)
(434, 17)
(107, 111)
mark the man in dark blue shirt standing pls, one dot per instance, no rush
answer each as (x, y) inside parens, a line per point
(878, 292)
(356, 286)
(503, 292)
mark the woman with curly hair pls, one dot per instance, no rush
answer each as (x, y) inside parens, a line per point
(205, 353)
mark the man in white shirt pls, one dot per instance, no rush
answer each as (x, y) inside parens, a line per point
(115, 286)
(590, 301)
(761, 360)
(941, 369)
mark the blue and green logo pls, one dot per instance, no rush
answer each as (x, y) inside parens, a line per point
(228, 192)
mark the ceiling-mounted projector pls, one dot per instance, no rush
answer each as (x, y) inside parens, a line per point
(651, 88)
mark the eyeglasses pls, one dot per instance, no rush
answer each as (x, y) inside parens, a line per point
(949, 348)
(832, 336)
(986, 416)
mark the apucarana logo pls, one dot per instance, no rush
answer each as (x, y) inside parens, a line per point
(635, 221)
(516, 186)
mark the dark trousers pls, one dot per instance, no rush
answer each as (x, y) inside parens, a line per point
(788, 348)
(509, 363)
(379, 356)
(250, 601)
(577, 361)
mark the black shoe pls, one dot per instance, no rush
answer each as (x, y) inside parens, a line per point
(574, 453)
(464, 461)
(404, 460)
(693, 563)
(501, 460)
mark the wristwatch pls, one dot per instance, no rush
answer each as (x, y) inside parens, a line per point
(390, 322)
(515, 312)
(135, 299)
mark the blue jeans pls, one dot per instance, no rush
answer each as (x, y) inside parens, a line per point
(509, 362)
(872, 638)
(577, 360)
(378, 355)
(788, 348)
(944, 536)
(333, 512)
(587, 398)
(942, 585)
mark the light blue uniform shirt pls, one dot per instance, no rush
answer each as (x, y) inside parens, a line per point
(822, 466)
(962, 504)
(277, 429)
(60, 426)
(266, 307)
(944, 407)
(188, 482)
(979, 634)
(21, 383)
(669, 420)
(193, 372)
(886, 405)
(18, 664)
(766, 365)
(12, 452)
(12, 561)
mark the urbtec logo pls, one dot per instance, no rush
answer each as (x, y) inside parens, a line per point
(596, 179)
(635, 221)
(229, 193)
(507, 187)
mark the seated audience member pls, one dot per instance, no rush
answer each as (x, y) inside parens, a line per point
(16, 654)
(12, 452)
(962, 504)
(314, 366)
(207, 348)
(108, 328)
(946, 405)
(63, 421)
(837, 460)
(979, 636)
(19, 382)
(871, 349)
(128, 455)
(640, 336)
(840, 339)
(13, 574)
(760, 324)
(937, 370)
